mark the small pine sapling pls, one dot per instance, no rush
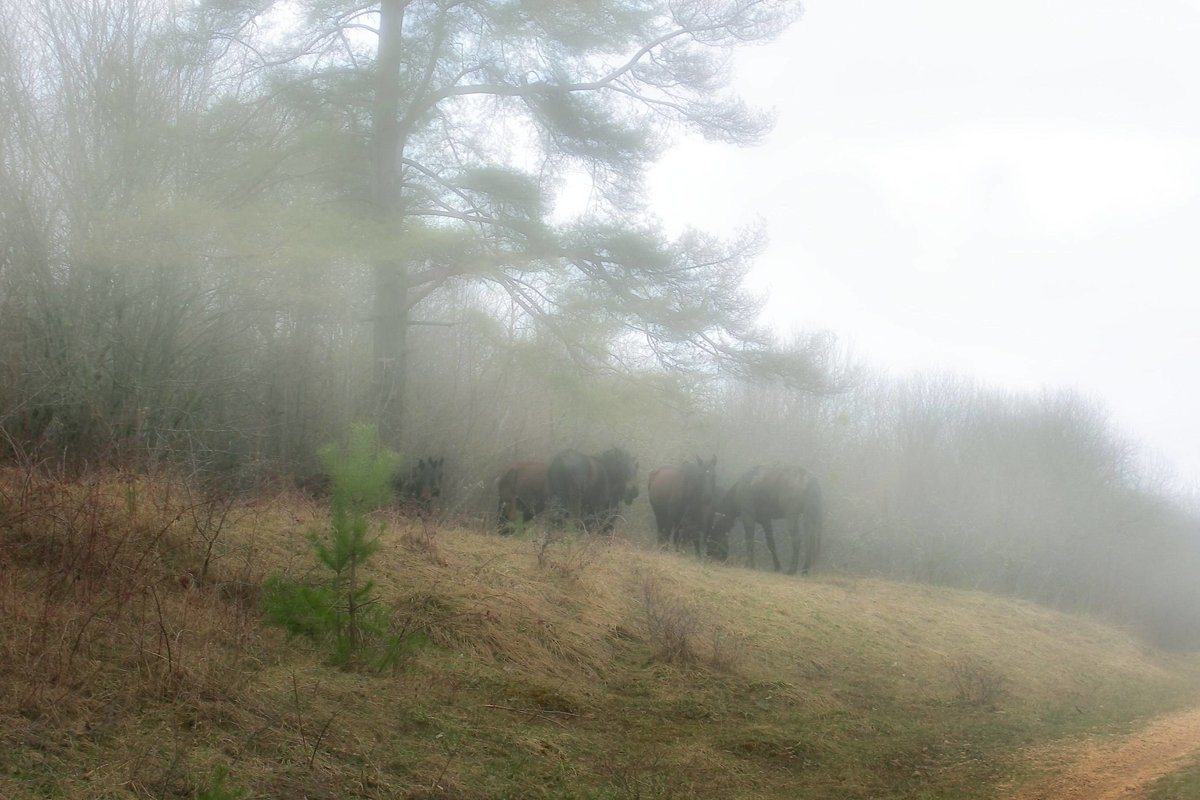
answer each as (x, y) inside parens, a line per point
(341, 608)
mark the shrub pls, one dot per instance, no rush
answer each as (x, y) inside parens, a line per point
(976, 683)
(341, 607)
(673, 625)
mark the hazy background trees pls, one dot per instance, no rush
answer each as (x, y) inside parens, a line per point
(205, 260)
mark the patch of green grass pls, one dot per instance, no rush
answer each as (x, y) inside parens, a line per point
(1181, 785)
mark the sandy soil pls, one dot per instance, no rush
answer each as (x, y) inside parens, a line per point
(1118, 768)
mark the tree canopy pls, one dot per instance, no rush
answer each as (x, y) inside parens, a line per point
(505, 144)
(223, 219)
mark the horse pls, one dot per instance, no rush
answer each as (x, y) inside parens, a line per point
(421, 486)
(764, 494)
(682, 498)
(591, 488)
(522, 494)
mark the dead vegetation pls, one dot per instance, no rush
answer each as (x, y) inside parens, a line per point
(112, 603)
(976, 683)
(133, 662)
(114, 575)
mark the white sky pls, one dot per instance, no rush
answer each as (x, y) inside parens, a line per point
(1007, 190)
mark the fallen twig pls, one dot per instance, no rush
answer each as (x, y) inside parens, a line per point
(543, 713)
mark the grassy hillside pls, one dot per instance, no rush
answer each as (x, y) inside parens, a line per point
(133, 662)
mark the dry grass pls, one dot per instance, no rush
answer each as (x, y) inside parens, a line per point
(111, 604)
(133, 663)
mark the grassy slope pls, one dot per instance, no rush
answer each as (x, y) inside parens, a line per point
(604, 671)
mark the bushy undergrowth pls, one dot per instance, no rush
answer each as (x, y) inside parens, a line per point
(114, 568)
(118, 594)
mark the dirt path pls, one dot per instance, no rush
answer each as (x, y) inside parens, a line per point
(1120, 768)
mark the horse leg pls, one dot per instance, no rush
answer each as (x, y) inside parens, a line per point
(678, 530)
(519, 510)
(608, 521)
(748, 526)
(770, 534)
(675, 523)
(691, 525)
(558, 509)
(511, 509)
(502, 520)
(575, 509)
(798, 537)
(664, 527)
(812, 528)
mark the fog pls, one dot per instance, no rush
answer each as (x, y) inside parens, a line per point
(221, 246)
(1007, 191)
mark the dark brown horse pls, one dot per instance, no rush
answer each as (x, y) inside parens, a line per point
(522, 491)
(682, 498)
(591, 488)
(764, 494)
(421, 487)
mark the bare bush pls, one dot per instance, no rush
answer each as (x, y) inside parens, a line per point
(104, 572)
(976, 683)
(568, 555)
(673, 625)
(419, 535)
(726, 650)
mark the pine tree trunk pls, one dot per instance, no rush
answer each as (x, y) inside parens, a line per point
(390, 319)
(390, 356)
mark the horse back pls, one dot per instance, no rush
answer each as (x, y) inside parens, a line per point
(665, 484)
(574, 475)
(777, 492)
(525, 480)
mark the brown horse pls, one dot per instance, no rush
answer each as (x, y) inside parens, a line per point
(764, 494)
(522, 491)
(591, 488)
(418, 490)
(682, 499)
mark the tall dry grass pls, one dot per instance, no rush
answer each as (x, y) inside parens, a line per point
(117, 593)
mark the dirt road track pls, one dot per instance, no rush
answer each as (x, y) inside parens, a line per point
(1119, 769)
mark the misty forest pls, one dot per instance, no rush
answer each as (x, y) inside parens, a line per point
(364, 434)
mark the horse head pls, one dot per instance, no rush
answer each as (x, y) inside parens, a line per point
(425, 482)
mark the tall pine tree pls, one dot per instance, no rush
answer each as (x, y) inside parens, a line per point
(446, 130)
